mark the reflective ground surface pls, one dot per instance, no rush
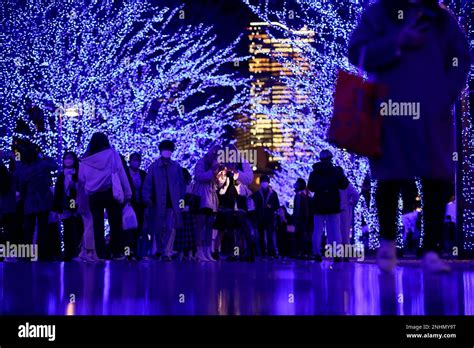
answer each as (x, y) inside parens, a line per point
(225, 288)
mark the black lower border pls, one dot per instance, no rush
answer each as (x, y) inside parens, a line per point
(286, 330)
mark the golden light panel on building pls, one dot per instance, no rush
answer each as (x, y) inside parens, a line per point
(267, 89)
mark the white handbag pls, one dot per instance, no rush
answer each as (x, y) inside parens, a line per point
(117, 188)
(129, 218)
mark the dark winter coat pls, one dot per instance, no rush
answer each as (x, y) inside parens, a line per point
(136, 196)
(265, 207)
(62, 201)
(325, 181)
(155, 191)
(432, 75)
(301, 205)
(35, 181)
(8, 198)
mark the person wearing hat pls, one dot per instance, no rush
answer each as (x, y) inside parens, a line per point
(266, 204)
(163, 190)
(325, 181)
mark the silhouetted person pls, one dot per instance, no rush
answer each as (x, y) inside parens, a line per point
(326, 180)
(95, 175)
(266, 204)
(302, 218)
(417, 50)
(137, 179)
(205, 186)
(349, 199)
(8, 223)
(163, 191)
(65, 204)
(184, 241)
(35, 181)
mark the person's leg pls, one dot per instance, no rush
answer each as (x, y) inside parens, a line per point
(169, 235)
(29, 224)
(68, 237)
(261, 239)
(209, 225)
(239, 232)
(435, 197)
(114, 215)
(88, 239)
(218, 240)
(251, 239)
(46, 246)
(139, 211)
(280, 235)
(122, 237)
(160, 233)
(97, 206)
(270, 229)
(78, 233)
(386, 199)
(317, 234)
(308, 225)
(346, 219)
(199, 236)
(300, 238)
(333, 229)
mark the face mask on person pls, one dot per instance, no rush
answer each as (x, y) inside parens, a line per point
(68, 163)
(166, 153)
(264, 185)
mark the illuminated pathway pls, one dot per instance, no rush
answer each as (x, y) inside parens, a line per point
(264, 287)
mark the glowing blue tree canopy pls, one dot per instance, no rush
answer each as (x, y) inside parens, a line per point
(133, 71)
(331, 22)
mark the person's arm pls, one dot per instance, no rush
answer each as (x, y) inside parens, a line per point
(148, 187)
(182, 184)
(223, 185)
(459, 58)
(276, 201)
(342, 179)
(311, 182)
(21, 182)
(246, 174)
(202, 175)
(127, 191)
(254, 198)
(381, 50)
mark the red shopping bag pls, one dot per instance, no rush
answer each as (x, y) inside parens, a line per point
(356, 124)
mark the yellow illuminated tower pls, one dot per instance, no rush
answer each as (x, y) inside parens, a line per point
(267, 88)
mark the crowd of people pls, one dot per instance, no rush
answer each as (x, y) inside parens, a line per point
(210, 215)
(414, 49)
(207, 216)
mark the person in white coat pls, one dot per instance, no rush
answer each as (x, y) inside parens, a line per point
(95, 176)
(205, 186)
(349, 199)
